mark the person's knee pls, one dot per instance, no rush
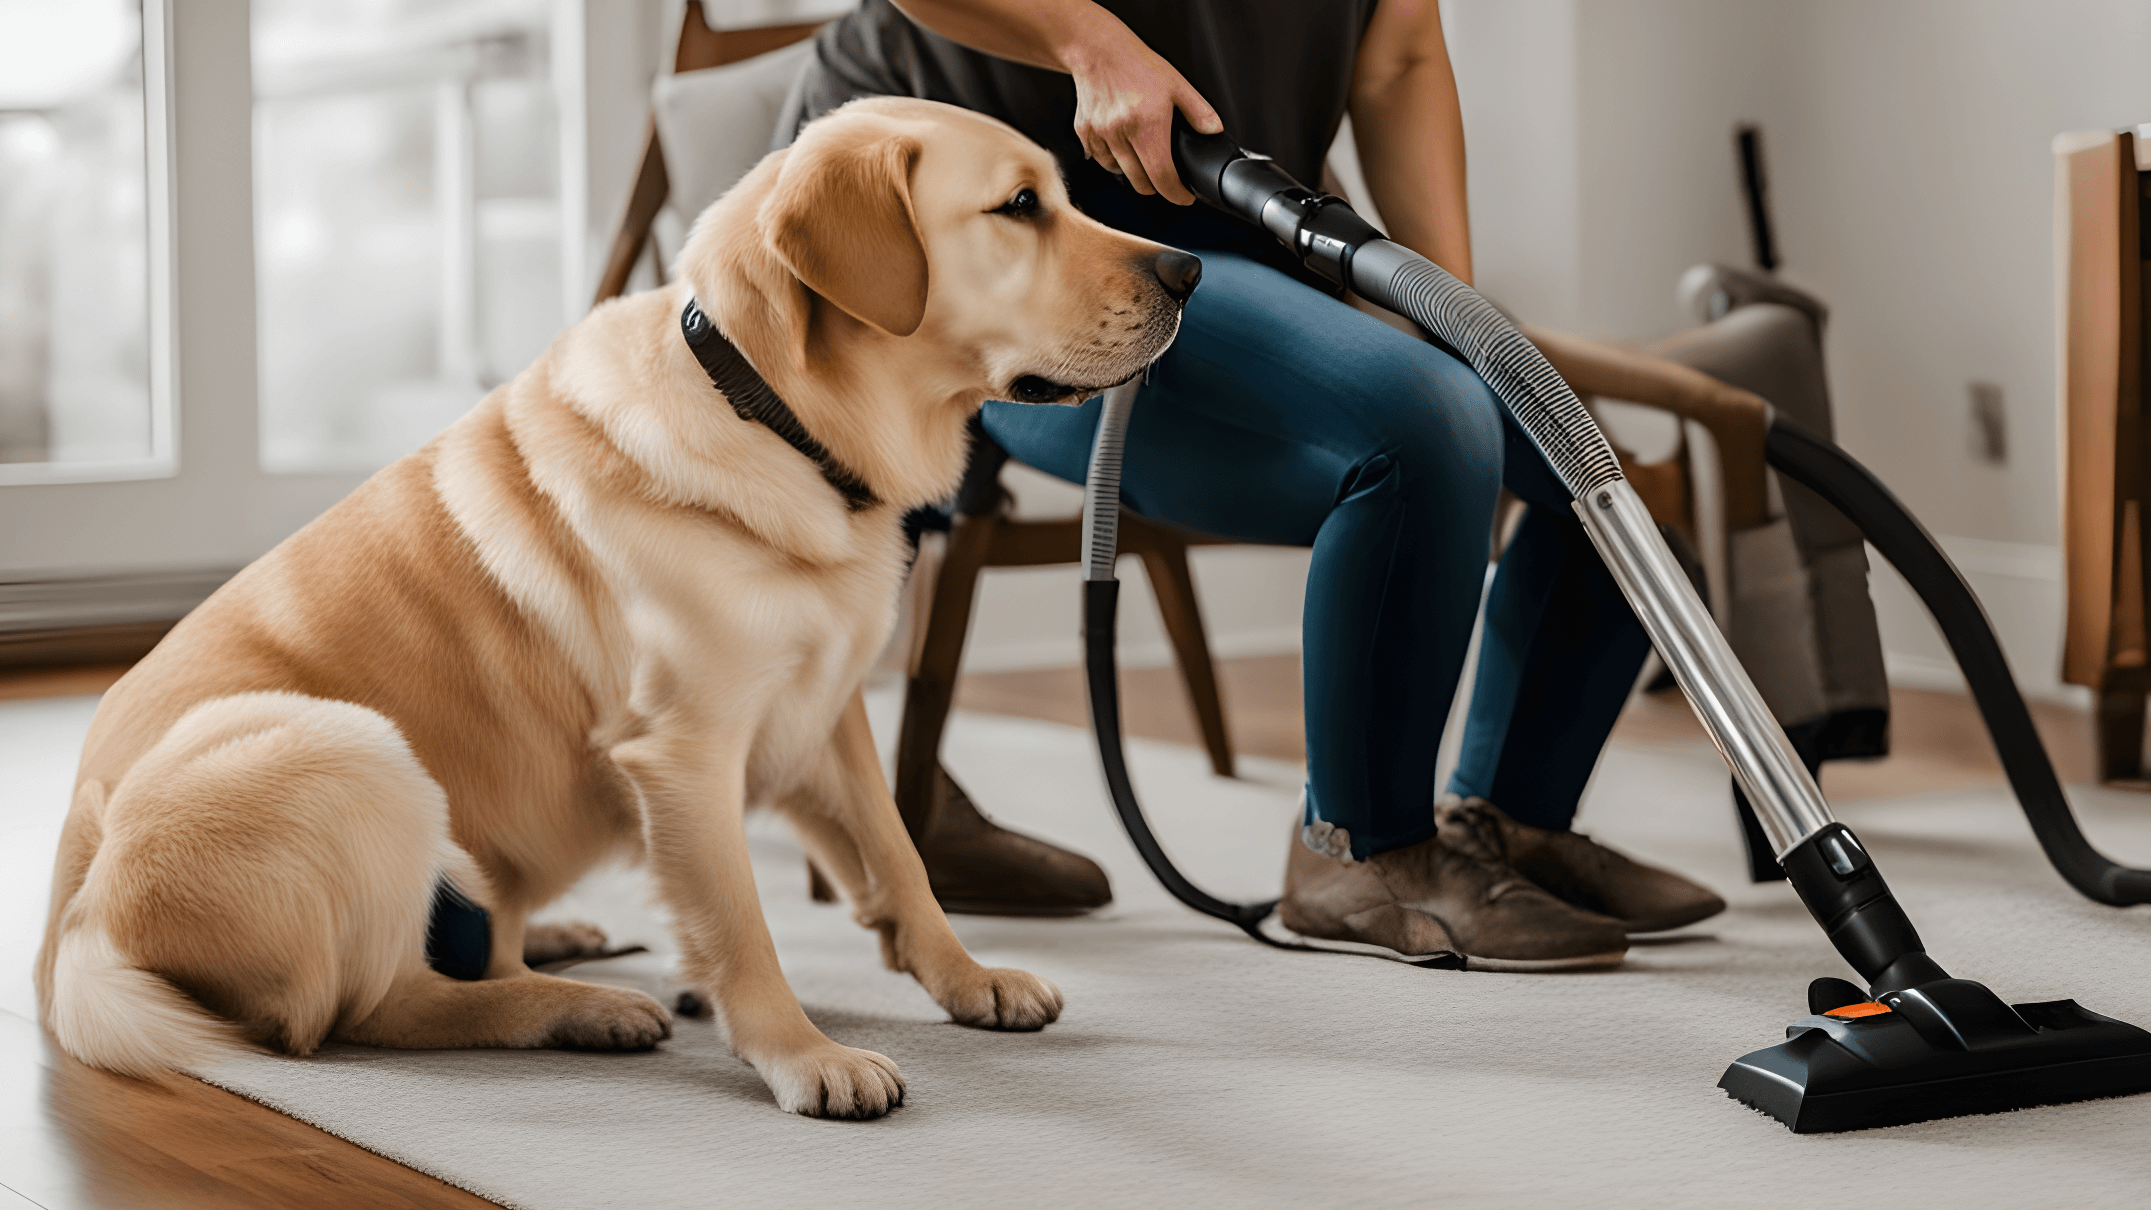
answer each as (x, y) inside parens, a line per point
(1443, 423)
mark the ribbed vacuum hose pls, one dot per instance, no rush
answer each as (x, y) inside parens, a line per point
(1542, 402)
(1101, 604)
(1832, 474)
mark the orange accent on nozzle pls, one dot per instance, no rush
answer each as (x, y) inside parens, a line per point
(1866, 1008)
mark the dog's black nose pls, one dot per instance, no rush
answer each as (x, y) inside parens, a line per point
(1177, 272)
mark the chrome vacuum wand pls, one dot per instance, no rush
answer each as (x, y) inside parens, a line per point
(1825, 862)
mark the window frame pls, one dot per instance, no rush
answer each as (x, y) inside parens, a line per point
(204, 501)
(162, 461)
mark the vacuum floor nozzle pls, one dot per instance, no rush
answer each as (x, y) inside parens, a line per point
(1939, 1050)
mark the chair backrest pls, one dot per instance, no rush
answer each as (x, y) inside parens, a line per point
(714, 125)
(722, 125)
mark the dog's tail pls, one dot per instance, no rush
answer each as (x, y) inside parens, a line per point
(111, 1014)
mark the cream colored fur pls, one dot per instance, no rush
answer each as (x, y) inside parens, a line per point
(599, 614)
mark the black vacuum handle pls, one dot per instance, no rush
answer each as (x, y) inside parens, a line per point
(1755, 187)
(1200, 160)
(1845, 893)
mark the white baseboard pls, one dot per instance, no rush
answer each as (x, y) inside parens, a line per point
(1942, 676)
(30, 602)
(1923, 672)
(1141, 653)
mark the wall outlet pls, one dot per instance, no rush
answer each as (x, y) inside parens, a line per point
(1990, 424)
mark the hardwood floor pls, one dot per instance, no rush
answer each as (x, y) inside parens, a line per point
(88, 1138)
(72, 1137)
(19, 683)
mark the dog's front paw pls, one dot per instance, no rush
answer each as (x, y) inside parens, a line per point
(827, 1080)
(998, 997)
(609, 1018)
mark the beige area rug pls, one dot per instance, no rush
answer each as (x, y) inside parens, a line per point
(1195, 1067)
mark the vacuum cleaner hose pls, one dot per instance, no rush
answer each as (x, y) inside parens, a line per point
(1931, 1045)
(1101, 605)
(1335, 242)
(1821, 466)
(1824, 861)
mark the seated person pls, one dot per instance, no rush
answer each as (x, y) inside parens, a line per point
(1282, 415)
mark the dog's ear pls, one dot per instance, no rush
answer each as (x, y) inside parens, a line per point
(841, 220)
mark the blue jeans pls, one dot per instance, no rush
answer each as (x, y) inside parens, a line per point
(1281, 415)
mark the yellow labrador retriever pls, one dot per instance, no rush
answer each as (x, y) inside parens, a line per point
(602, 612)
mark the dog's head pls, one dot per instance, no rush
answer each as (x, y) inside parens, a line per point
(931, 223)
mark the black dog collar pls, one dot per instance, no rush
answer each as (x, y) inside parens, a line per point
(754, 399)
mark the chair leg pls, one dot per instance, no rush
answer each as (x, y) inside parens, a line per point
(931, 690)
(1167, 562)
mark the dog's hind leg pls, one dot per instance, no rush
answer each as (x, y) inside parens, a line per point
(512, 1006)
(519, 945)
(272, 857)
(559, 941)
(427, 1010)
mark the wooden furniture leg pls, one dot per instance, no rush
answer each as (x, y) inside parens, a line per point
(2106, 439)
(987, 539)
(931, 690)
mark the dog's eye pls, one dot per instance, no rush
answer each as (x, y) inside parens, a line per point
(1023, 205)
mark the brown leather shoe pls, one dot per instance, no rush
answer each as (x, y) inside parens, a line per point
(1419, 902)
(980, 868)
(1581, 871)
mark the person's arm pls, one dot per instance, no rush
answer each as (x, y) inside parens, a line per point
(1125, 93)
(1410, 133)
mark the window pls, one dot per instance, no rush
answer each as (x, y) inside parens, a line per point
(407, 219)
(251, 250)
(77, 396)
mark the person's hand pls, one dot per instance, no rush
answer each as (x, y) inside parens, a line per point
(1125, 98)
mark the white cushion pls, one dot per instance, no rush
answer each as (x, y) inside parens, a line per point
(715, 124)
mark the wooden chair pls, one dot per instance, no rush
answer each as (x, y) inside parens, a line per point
(699, 47)
(2106, 189)
(1736, 420)
(984, 532)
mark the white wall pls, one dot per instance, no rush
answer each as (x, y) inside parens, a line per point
(1907, 143)
(1517, 78)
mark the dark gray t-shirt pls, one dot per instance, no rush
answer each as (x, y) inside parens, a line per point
(1279, 73)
